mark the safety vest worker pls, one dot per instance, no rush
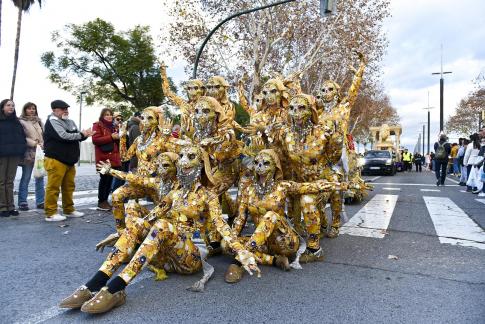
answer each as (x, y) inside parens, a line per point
(406, 156)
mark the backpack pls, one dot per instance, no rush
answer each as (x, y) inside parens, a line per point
(441, 152)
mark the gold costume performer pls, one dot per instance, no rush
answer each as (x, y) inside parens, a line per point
(155, 138)
(274, 239)
(336, 113)
(177, 237)
(195, 89)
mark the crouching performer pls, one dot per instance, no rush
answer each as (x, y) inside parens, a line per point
(162, 183)
(177, 239)
(274, 240)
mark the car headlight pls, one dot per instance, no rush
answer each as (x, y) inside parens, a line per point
(361, 161)
(388, 161)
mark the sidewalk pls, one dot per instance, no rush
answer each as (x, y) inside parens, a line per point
(86, 178)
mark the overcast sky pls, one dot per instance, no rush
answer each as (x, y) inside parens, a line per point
(415, 32)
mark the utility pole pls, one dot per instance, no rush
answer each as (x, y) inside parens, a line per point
(429, 120)
(424, 153)
(442, 84)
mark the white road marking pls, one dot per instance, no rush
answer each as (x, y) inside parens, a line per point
(463, 191)
(481, 200)
(434, 190)
(409, 184)
(76, 194)
(373, 219)
(452, 224)
(375, 178)
(395, 189)
(55, 311)
(452, 180)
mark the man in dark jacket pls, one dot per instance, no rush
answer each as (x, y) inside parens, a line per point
(442, 151)
(61, 148)
(133, 130)
(12, 149)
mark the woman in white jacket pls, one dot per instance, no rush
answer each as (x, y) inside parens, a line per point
(472, 160)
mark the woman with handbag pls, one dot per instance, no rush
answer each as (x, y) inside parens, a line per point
(12, 150)
(106, 142)
(33, 129)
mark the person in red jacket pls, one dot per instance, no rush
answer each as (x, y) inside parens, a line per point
(106, 142)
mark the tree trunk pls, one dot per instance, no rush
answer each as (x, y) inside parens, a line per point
(16, 56)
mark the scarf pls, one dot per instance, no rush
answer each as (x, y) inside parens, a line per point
(107, 124)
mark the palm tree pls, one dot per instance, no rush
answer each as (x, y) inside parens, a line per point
(23, 6)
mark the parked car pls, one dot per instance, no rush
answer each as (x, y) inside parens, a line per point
(381, 162)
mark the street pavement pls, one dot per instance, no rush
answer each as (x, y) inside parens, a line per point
(411, 252)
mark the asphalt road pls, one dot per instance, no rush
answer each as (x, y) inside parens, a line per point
(402, 272)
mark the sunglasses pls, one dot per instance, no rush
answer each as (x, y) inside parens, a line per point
(119, 119)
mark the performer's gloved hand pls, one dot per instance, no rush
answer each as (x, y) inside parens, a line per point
(110, 240)
(248, 261)
(103, 167)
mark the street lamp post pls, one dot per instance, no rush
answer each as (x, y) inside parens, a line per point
(424, 153)
(429, 120)
(442, 85)
(80, 119)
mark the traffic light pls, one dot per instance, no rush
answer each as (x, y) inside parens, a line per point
(327, 7)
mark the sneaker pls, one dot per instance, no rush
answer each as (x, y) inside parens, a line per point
(462, 184)
(14, 212)
(481, 194)
(55, 218)
(23, 207)
(74, 214)
(438, 183)
(476, 191)
(104, 206)
(40, 206)
(468, 189)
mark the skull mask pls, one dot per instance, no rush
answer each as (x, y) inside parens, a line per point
(195, 89)
(166, 165)
(264, 168)
(329, 92)
(271, 94)
(258, 102)
(189, 166)
(217, 88)
(299, 111)
(205, 118)
(149, 121)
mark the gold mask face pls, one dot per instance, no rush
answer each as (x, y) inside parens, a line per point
(195, 89)
(299, 110)
(217, 88)
(329, 91)
(271, 94)
(189, 161)
(166, 168)
(205, 115)
(264, 167)
(149, 121)
(258, 102)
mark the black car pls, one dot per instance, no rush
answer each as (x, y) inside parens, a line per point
(379, 162)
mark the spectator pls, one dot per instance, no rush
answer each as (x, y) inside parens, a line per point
(418, 161)
(442, 152)
(427, 161)
(474, 161)
(454, 159)
(12, 150)
(33, 129)
(133, 130)
(61, 148)
(482, 167)
(118, 121)
(106, 141)
(407, 158)
(461, 154)
(470, 148)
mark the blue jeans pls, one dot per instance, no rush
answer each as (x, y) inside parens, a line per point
(24, 186)
(456, 168)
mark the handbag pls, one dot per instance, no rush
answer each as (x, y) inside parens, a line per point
(39, 170)
(106, 148)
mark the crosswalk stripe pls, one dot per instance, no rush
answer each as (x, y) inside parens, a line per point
(452, 224)
(373, 219)
(392, 189)
(481, 200)
(432, 190)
